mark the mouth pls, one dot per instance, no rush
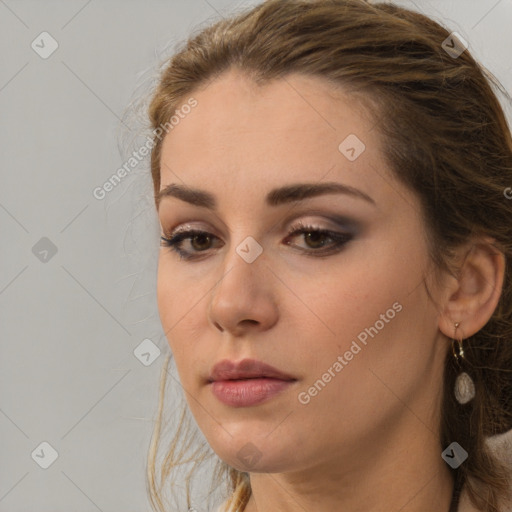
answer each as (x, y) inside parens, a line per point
(248, 392)
(252, 377)
(246, 369)
(247, 383)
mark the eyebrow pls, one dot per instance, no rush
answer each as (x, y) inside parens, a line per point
(278, 196)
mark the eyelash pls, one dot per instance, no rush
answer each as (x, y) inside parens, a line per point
(339, 240)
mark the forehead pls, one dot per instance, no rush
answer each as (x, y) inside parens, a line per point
(243, 136)
(308, 107)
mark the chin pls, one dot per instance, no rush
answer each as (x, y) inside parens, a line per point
(256, 454)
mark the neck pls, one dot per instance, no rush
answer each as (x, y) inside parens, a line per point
(406, 473)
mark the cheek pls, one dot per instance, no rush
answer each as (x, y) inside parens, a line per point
(179, 303)
(375, 305)
(346, 298)
(385, 362)
(386, 325)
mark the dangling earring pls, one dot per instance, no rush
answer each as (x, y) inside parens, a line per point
(464, 385)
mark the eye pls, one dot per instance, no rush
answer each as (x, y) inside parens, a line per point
(316, 239)
(199, 241)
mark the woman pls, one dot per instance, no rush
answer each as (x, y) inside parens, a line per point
(334, 280)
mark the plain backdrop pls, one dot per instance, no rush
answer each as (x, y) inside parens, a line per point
(81, 341)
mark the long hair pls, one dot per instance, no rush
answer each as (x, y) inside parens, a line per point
(445, 136)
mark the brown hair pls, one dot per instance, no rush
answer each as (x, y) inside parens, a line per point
(445, 136)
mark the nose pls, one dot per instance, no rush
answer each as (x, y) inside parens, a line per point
(244, 298)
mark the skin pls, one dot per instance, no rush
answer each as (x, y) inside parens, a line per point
(368, 441)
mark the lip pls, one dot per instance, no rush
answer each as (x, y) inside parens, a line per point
(248, 382)
(246, 369)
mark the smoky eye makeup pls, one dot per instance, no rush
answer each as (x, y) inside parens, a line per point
(313, 237)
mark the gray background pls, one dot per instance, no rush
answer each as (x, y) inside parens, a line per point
(71, 321)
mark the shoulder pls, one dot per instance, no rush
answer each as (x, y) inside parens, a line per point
(502, 446)
(465, 504)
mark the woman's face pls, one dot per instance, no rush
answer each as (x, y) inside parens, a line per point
(345, 315)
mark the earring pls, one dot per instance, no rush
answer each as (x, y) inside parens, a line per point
(464, 385)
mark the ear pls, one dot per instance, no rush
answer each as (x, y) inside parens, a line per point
(473, 294)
